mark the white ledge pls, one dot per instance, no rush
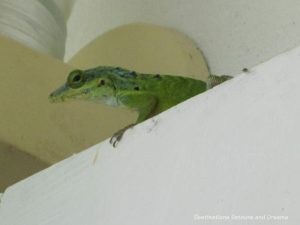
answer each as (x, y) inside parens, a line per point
(233, 150)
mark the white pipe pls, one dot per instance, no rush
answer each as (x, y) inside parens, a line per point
(36, 24)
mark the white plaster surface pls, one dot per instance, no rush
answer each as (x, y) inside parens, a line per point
(233, 150)
(233, 34)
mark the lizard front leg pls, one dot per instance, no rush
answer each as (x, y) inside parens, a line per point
(144, 103)
(116, 138)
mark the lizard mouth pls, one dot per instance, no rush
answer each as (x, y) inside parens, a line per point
(62, 94)
(59, 98)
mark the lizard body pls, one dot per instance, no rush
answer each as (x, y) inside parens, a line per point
(148, 94)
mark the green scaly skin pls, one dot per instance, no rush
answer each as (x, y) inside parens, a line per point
(148, 94)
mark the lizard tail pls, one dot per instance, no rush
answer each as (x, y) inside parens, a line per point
(214, 80)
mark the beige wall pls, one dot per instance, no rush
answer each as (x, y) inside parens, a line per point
(16, 164)
(35, 133)
(146, 48)
(33, 126)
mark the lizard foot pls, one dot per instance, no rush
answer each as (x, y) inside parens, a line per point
(116, 138)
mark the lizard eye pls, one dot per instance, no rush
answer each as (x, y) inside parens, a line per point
(75, 79)
(101, 83)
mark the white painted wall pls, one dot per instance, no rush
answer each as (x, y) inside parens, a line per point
(232, 33)
(233, 150)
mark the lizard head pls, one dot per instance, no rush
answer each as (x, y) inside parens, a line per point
(93, 85)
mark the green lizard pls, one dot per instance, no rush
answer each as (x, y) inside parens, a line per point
(148, 94)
